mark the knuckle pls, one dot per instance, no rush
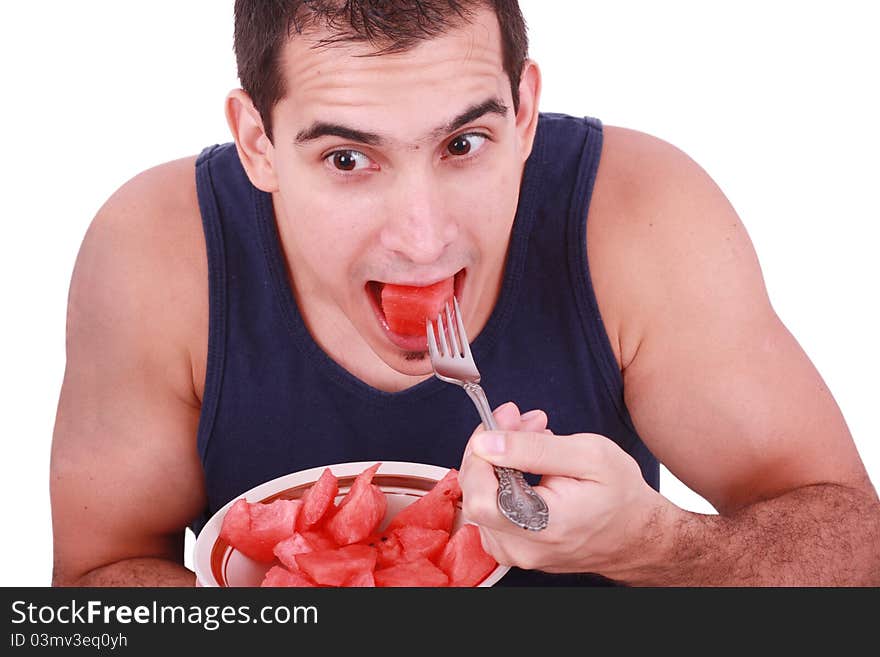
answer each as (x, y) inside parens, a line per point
(598, 451)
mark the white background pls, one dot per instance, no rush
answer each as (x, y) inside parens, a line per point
(777, 101)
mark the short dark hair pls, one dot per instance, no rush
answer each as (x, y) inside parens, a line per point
(262, 28)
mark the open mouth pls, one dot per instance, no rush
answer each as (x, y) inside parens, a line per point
(412, 340)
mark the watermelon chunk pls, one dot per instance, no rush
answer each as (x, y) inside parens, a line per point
(360, 511)
(287, 549)
(318, 500)
(418, 542)
(420, 572)
(435, 509)
(334, 567)
(464, 560)
(280, 576)
(407, 307)
(254, 528)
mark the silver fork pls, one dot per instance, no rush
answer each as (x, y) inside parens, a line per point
(453, 363)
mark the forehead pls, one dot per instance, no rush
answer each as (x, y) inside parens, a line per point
(349, 83)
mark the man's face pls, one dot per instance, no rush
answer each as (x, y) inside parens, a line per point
(401, 169)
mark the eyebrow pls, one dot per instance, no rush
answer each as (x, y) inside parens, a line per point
(320, 129)
(323, 129)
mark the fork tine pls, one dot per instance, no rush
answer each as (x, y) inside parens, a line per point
(465, 345)
(444, 346)
(432, 341)
(453, 334)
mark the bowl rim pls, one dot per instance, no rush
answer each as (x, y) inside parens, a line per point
(205, 541)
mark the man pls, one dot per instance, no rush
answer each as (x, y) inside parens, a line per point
(226, 321)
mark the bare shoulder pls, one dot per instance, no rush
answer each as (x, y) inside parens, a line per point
(659, 231)
(152, 195)
(144, 258)
(718, 388)
(158, 211)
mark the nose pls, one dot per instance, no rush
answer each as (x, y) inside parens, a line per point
(420, 225)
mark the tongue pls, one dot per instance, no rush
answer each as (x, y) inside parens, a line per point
(407, 307)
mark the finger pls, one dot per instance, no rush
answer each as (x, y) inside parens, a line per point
(535, 420)
(506, 416)
(479, 492)
(493, 547)
(583, 456)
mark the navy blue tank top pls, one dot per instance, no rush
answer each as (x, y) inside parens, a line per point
(275, 402)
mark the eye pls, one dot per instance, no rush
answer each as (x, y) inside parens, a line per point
(465, 144)
(347, 160)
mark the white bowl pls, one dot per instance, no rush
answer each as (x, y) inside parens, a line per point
(218, 564)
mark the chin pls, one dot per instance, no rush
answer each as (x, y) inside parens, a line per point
(406, 362)
(411, 363)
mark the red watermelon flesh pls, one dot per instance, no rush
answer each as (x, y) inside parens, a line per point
(334, 567)
(435, 509)
(318, 500)
(319, 539)
(464, 560)
(255, 528)
(361, 580)
(280, 576)
(448, 486)
(236, 523)
(406, 307)
(360, 511)
(418, 542)
(429, 512)
(389, 549)
(420, 572)
(287, 549)
(412, 551)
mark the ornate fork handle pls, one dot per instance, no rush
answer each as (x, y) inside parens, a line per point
(517, 501)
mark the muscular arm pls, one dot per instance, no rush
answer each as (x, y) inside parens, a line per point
(125, 475)
(720, 391)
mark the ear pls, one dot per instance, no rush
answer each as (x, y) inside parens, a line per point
(527, 114)
(255, 150)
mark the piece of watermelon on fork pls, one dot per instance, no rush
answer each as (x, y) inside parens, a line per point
(406, 307)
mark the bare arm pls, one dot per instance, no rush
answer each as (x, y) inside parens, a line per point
(722, 393)
(719, 391)
(125, 475)
(819, 535)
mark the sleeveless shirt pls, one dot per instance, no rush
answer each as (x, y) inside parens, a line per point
(275, 402)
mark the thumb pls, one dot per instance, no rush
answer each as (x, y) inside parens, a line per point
(508, 418)
(580, 456)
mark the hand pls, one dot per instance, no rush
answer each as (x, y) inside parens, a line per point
(603, 515)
